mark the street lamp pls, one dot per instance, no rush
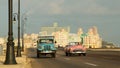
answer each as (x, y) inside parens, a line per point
(14, 19)
(24, 18)
(10, 54)
(18, 48)
(15, 15)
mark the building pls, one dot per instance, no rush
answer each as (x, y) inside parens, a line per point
(61, 37)
(2, 41)
(49, 30)
(60, 33)
(91, 39)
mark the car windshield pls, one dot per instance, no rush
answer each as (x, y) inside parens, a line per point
(68, 45)
(73, 43)
(46, 41)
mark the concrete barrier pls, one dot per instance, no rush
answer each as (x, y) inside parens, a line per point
(100, 49)
(1, 50)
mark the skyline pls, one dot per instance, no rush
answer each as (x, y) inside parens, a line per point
(104, 14)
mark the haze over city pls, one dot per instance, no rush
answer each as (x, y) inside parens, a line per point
(104, 14)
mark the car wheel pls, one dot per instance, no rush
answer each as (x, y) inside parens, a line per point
(53, 55)
(69, 54)
(66, 54)
(84, 54)
(38, 55)
(79, 54)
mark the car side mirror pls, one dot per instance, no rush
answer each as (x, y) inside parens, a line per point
(55, 42)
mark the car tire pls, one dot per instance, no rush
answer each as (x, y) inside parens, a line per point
(66, 54)
(53, 55)
(84, 54)
(38, 54)
(69, 54)
(79, 54)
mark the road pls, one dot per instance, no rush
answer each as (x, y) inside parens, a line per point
(94, 59)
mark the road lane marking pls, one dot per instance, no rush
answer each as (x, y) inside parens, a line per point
(91, 64)
(67, 58)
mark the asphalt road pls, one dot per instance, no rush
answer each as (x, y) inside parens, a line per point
(93, 59)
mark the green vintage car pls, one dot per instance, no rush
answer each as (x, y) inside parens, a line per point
(46, 45)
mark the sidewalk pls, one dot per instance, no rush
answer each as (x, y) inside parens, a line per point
(22, 62)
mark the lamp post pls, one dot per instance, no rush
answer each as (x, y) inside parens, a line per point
(15, 16)
(24, 18)
(10, 54)
(22, 33)
(18, 47)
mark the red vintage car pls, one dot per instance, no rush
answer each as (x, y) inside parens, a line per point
(75, 48)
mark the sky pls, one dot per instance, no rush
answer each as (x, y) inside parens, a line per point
(104, 14)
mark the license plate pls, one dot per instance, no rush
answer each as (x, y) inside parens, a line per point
(78, 52)
(47, 51)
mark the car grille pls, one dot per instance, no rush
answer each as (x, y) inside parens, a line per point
(77, 50)
(47, 47)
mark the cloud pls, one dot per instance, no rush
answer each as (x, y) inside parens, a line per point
(67, 7)
(84, 7)
(55, 7)
(42, 6)
(94, 8)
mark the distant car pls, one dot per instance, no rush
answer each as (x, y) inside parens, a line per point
(60, 46)
(75, 48)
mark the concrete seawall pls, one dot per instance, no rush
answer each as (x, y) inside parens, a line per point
(100, 49)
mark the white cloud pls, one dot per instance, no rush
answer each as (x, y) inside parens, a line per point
(65, 7)
(86, 7)
(94, 8)
(44, 7)
(55, 7)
